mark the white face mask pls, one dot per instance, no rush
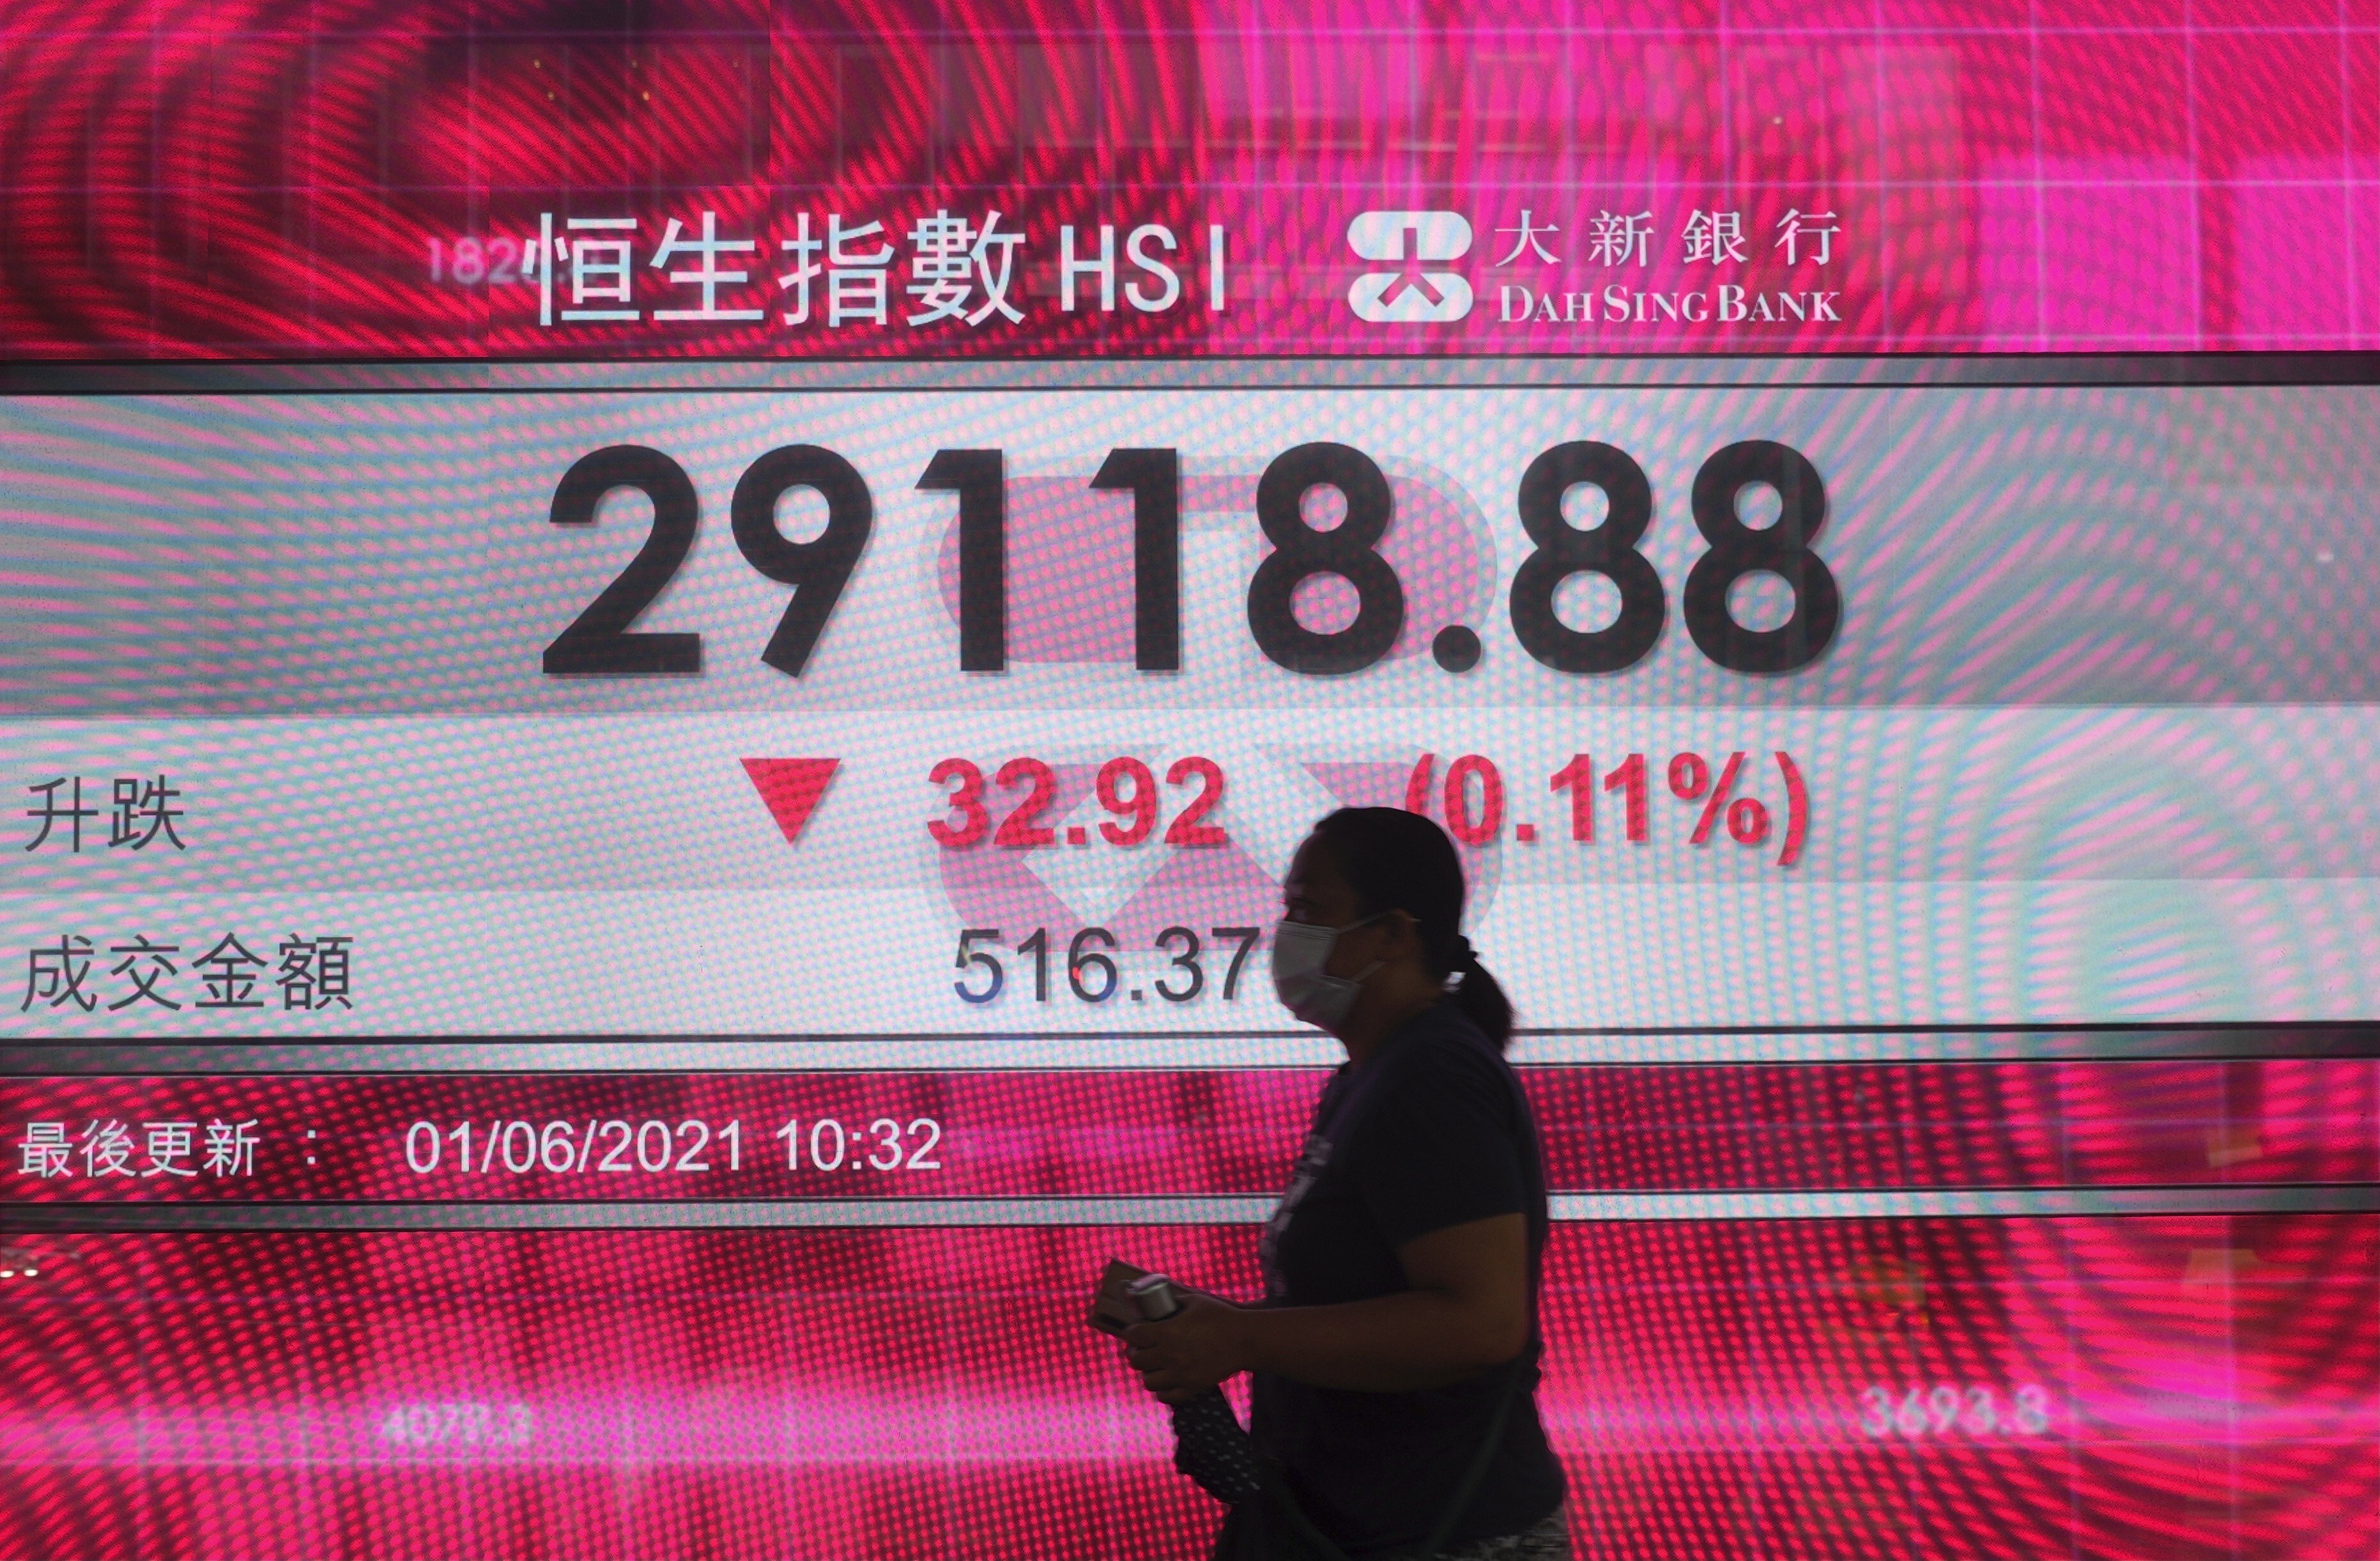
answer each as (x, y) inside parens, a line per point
(1300, 950)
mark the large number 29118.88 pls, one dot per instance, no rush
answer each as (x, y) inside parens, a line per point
(599, 641)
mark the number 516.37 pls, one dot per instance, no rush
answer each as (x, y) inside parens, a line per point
(1090, 967)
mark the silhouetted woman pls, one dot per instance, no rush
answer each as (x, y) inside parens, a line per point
(1394, 1354)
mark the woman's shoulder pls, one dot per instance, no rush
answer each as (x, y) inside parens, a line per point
(1445, 1083)
(1442, 1047)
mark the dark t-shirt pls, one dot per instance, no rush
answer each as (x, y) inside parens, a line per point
(1440, 1135)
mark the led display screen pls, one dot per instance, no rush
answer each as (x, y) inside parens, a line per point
(662, 662)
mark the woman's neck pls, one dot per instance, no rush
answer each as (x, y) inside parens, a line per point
(1393, 996)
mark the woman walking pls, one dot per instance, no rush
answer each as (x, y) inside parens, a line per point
(1394, 1354)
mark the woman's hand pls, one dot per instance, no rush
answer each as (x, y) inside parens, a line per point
(1190, 1351)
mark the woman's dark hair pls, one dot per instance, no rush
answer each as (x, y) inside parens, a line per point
(1396, 860)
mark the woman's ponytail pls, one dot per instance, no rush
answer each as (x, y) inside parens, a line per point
(1480, 995)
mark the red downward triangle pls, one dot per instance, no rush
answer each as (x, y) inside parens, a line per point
(792, 788)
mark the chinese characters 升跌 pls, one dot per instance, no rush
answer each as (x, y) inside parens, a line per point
(141, 813)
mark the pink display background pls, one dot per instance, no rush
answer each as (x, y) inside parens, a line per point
(1092, 1133)
(2209, 1391)
(193, 179)
(185, 179)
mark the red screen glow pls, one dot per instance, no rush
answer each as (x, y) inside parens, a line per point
(2091, 1387)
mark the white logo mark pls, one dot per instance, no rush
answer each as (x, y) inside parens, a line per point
(1410, 293)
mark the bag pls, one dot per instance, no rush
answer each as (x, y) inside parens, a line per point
(1274, 1528)
(1213, 1448)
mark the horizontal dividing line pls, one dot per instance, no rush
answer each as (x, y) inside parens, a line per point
(1232, 174)
(820, 1214)
(1088, 370)
(833, 31)
(1237, 170)
(1309, 179)
(827, 29)
(1176, 1051)
(1253, 388)
(1973, 1203)
(863, 1213)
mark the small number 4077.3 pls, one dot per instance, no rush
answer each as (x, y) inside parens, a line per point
(1090, 967)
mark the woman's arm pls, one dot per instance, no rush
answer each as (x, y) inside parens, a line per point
(1468, 1309)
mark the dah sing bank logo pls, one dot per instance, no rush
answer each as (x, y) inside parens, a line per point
(1411, 241)
(1733, 262)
